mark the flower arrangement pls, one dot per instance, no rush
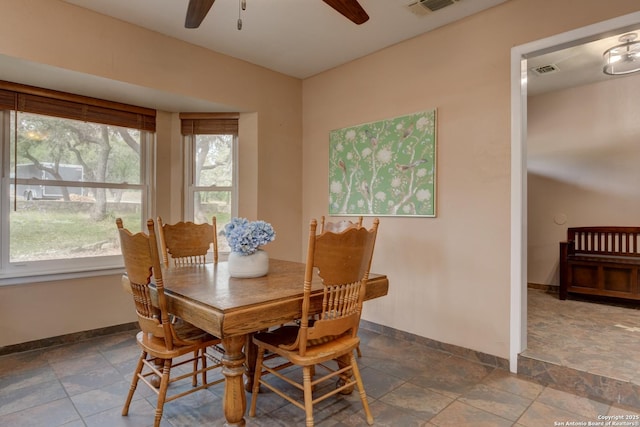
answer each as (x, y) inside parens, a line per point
(245, 237)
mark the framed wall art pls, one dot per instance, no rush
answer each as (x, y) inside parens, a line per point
(385, 168)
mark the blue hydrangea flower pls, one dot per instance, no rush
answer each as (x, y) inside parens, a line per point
(245, 237)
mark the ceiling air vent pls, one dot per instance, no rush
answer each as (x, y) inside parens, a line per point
(545, 69)
(424, 7)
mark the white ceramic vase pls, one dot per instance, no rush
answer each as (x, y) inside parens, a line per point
(244, 266)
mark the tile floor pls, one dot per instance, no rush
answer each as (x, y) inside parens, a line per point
(408, 384)
(600, 338)
(585, 347)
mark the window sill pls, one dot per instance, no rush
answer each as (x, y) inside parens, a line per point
(40, 278)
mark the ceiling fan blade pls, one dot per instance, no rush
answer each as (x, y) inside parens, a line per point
(196, 12)
(351, 9)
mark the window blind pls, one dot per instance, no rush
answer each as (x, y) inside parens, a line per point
(209, 123)
(31, 99)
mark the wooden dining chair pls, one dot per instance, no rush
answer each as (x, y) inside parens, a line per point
(163, 342)
(339, 226)
(343, 261)
(336, 227)
(186, 243)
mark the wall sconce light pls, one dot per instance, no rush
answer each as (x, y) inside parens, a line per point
(623, 58)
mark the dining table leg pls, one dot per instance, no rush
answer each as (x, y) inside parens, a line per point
(343, 361)
(251, 354)
(235, 400)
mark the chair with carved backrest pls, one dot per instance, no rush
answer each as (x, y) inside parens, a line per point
(186, 243)
(164, 343)
(342, 261)
(338, 226)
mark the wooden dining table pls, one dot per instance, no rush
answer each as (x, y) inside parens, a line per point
(233, 309)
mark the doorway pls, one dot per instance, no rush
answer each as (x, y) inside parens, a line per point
(519, 58)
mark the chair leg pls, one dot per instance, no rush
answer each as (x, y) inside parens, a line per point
(308, 395)
(194, 379)
(162, 393)
(204, 365)
(363, 395)
(256, 382)
(134, 383)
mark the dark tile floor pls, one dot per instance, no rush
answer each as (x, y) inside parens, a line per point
(585, 347)
(603, 339)
(408, 384)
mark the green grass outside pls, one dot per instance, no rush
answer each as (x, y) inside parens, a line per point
(74, 234)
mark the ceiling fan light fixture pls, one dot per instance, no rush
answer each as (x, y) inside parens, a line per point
(623, 58)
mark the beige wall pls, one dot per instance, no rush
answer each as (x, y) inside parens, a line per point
(449, 275)
(583, 157)
(69, 38)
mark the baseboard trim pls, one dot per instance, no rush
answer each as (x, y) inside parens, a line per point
(548, 288)
(66, 339)
(465, 353)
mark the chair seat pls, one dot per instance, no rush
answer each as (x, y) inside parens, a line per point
(192, 337)
(317, 352)
(186, 331)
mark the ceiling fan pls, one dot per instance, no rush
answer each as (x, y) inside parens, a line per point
(351, 9)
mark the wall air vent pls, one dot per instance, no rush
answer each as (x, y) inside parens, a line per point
(545, 69)
(424, 7)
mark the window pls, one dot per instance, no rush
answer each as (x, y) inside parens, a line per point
(210, 165)
(70, 166)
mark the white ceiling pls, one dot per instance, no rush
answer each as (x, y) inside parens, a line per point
(299, 38)
(576, 65)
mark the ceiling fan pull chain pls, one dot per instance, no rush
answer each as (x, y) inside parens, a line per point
(242, 5)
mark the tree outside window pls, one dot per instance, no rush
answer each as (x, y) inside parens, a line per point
(210, 170)
(70, 179)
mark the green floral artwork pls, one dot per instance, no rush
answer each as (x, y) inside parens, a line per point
(384, 168)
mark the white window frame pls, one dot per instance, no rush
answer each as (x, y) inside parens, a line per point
(48, 270)
(189, 178)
